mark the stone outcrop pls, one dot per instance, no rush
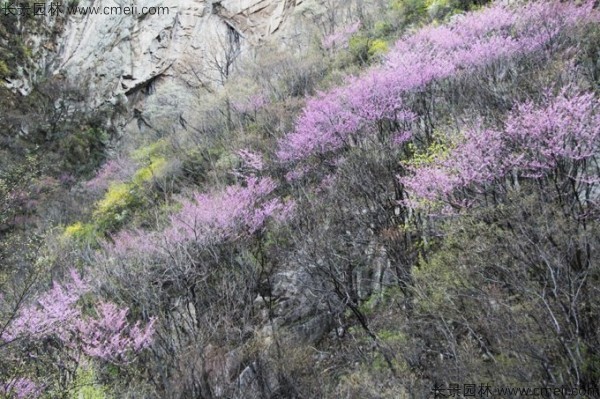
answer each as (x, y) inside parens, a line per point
(120, 53)
(158, 64)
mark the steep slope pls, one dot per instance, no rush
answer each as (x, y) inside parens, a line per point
(347, 217)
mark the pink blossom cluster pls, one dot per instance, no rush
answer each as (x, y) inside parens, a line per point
(113, 170)
(228, 214)
(334, 119)
(53, 314)
(536, 140)
(480, 38)
(563, 128)
(475, 159)
(238, 211)
(20, 388)
(109, 336)
(251, 159)
(341, 36)
(251, 105)
(57, 314)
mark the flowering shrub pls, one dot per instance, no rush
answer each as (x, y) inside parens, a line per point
(333, 119)
(115, 205)
(20, 388)
(59, 322)
(251, 160)
(228, 214)
(556, 136)
(340, 37)
(237, 211)
(147, 173)
(80, 231)
(57, 314)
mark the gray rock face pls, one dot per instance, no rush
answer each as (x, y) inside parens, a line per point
(167, 57)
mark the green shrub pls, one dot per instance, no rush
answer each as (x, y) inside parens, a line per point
(80, 231)
(383, 29)
(363, 48)
(150, 151)
(118, 202)
(358, 46)
(147, 173)
(4, 70)
(82, 152)
(86, 386)
(377, 47)
(410, 11)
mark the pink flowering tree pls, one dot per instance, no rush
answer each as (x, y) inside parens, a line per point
(335, 120)
(20, 388)
(58, 325)
(200, 271)
(118, 169)
(226, 215)
(238, 211)
(206, 223)
(251, 164)
(251, 160)
(556, 139)
(379, 100)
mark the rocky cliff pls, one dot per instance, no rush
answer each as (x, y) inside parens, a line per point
(157, 63)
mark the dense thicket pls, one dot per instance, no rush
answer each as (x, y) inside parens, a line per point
(358, 222)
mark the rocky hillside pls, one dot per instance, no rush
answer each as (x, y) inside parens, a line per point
(300, 199)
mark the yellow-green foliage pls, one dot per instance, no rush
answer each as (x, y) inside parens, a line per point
(122, 199)
(118, 196)
(438, 9)
(411, 10)
(383, 29)
(86, 387)
(418, 6)
(378, 47)
(80, 231)
(416, 11)
(27, 52)
(74, 229)
(437, 3)
(149, 152)
(116, 204)
(392, 337)
(147, 173)
(364, 48)
(359, 47)
(439, 150)
(438, 280)
(4, 70)
(153, 158)
(226, 162)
